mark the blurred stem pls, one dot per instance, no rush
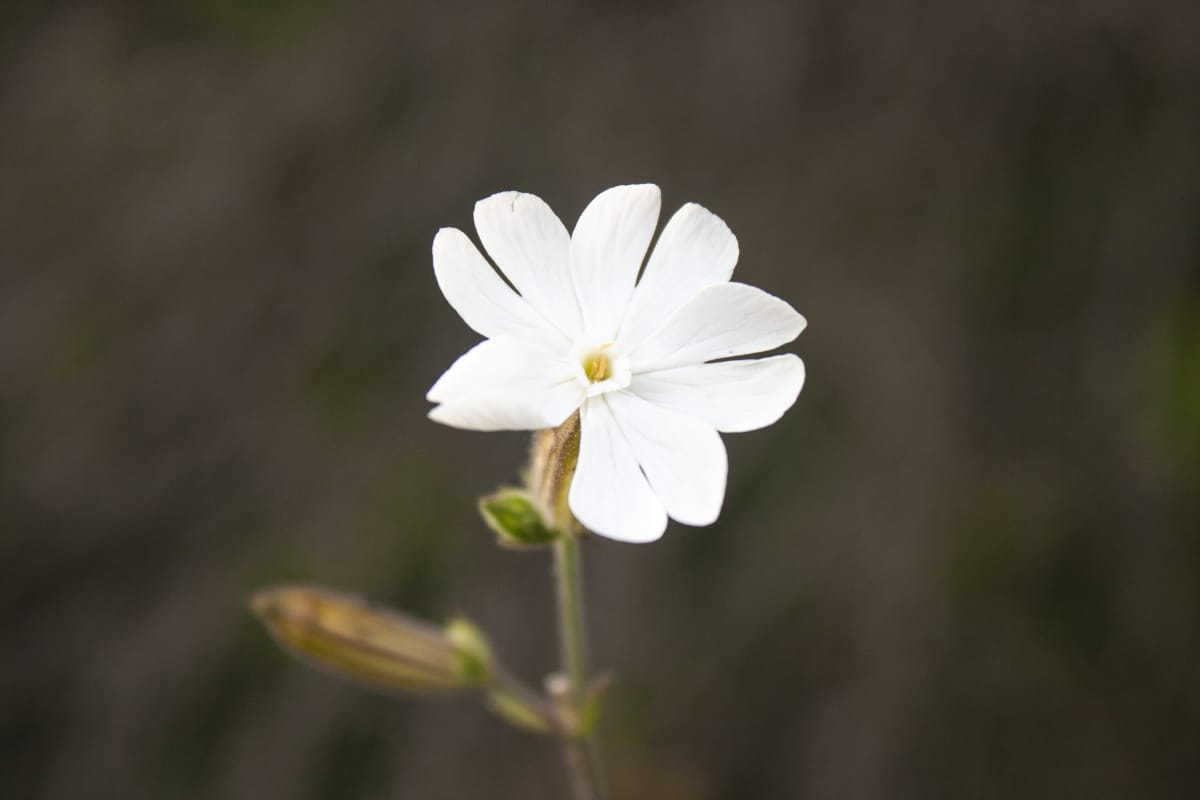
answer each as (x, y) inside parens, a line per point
(583, 769)
(519, 705)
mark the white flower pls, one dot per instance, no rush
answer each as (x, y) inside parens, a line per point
(632, 359)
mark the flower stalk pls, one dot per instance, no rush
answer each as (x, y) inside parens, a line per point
(577, 334)
(572, 621)
(554, 456)
(580, 750)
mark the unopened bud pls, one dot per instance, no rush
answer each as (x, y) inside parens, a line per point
(515, 518)
(380, 648)
(552, 462)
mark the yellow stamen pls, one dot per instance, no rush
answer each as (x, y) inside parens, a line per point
(599, 369)
(595, 366)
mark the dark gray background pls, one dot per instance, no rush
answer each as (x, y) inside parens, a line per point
(965, 565)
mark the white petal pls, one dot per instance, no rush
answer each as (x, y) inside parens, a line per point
(696, 249)
(609, 494)
(729, 319)
(683, 457)
(505, 412)
(476, 292)
(532, 248)
(732, 396)
(607, 248)
(499, 365)
(500, 384)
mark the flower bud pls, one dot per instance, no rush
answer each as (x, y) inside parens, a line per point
(379, 648)
(552, 461)
(515, 518)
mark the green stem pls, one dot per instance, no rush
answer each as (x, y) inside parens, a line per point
(572, 624)
(519, 705)
(552, 466)
(582, 756)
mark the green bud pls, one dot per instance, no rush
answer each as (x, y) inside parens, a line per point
(515, 518)
(375, 647)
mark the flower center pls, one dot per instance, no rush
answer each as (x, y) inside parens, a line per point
(601, 369)
(596, 365)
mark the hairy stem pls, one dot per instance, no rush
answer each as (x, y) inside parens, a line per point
(552, 468)
(572, 623)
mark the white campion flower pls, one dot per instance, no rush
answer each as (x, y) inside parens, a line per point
(633, 357)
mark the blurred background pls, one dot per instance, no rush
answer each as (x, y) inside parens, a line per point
(965, 565)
